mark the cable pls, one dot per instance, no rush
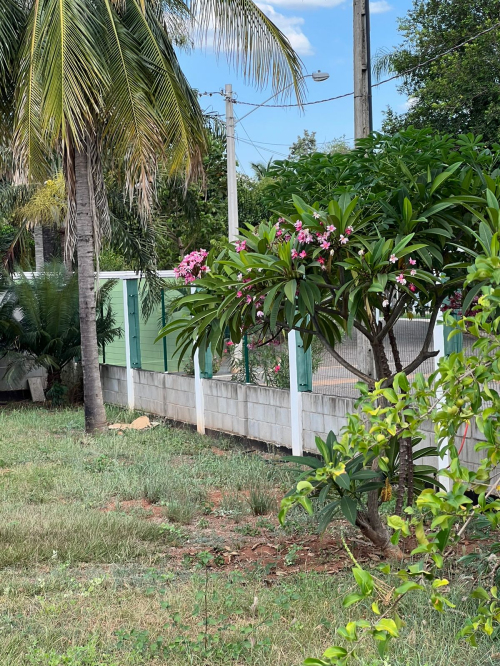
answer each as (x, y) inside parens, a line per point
(243, 128)
(267, 150)
(380, 83)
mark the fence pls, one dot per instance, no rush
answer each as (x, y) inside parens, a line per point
(311, 396)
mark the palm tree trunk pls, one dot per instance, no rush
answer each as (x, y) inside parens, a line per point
(39, 256)
(95, 415)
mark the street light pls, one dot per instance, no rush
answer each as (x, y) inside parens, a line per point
(232, 191)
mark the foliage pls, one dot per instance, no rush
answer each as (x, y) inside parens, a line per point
(451, 397)
(325, 270)
(39, 322)
(456, 92)
(381, 166)
(268, 363)
(305, 145)
(343, 476)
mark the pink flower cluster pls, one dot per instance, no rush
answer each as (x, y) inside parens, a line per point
(192, 266)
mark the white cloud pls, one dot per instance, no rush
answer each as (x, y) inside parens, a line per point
(307, 4)
(409, 104)
(380, 7)
(291, 27)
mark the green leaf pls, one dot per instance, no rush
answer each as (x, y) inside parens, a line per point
(364, 580)
(290, 290)
(406, 587)
(352, 599)
(343, 481)
(386, 624)
(335, 652)
(349, 508)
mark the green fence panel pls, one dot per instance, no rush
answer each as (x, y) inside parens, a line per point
(151, 352)
(161, 356)
(115, 351)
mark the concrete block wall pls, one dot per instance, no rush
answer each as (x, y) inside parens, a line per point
(256, 412)
(114, 384)
(322, 413)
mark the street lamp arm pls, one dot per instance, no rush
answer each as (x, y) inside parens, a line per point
(316, 76)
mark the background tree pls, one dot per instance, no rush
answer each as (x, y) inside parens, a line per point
(40, 323)
(458, 92)
(305, 145)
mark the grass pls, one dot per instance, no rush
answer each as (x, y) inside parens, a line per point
(100, 561)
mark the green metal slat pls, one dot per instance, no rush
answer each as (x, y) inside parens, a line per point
(134, 323)
(304, 367)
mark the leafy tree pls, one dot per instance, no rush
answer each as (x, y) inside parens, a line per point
(360, 263)
(455, 93)
(40, 323)
(101, 77)
(305, 145)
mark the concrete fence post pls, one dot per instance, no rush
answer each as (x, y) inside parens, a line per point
(198, 393)
(295, 397)
(128, 359)
(439, 345)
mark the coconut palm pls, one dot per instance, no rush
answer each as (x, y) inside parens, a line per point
(101, 77)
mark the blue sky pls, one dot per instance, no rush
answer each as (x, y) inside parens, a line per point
(321, 32)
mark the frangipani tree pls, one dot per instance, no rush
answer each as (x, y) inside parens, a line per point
(100, 78)
(359, 263)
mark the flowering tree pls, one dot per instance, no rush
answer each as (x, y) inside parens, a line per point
(358, 263)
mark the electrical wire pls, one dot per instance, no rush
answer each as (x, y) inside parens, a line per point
(375, 85)
(248, 136)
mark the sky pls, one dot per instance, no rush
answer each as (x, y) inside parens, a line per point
(321, 33)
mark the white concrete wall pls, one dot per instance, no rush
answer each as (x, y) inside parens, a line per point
(256, 412)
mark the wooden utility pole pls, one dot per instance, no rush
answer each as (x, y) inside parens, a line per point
(363, 122)
(363, 125)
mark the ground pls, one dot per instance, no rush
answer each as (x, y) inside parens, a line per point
(162, 547)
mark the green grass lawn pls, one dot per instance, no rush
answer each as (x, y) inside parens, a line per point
(104, 543)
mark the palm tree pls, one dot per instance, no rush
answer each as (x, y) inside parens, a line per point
(101, 78)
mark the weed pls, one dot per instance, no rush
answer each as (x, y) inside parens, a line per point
(261, 501)
(292, 555)
(100, 463)
(203, 524)
(176, 536)
(247, 530)
(265, 524)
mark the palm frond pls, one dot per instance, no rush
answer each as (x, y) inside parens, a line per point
(29, 150)
(10, 25)
(253, 44)
(132, 128)
(182, 122)
(382, 63)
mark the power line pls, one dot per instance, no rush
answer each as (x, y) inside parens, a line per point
(243, 128)
(380, 83)
(267, 150)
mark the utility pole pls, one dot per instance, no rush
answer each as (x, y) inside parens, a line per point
(363, 125)
(363, 121)
(232, 189)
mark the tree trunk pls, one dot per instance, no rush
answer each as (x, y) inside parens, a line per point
(39, 256)
(95, 415)
(373, 528)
